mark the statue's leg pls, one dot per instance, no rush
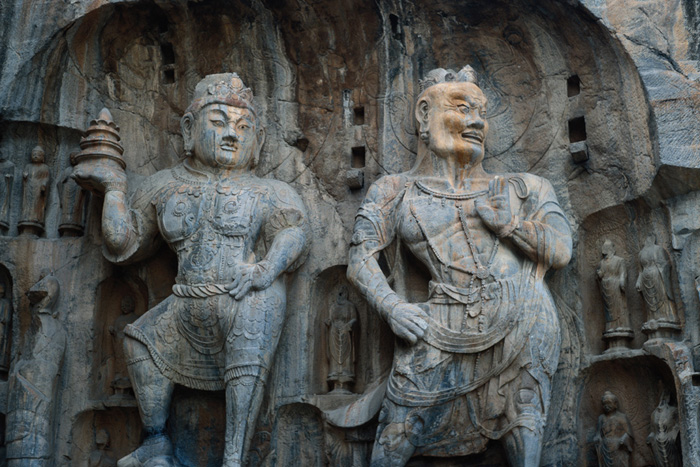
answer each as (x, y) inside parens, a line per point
(244, 394)
(391, 446)
(524, 443)
(153, 393)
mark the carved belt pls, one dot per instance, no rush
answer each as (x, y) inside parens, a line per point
(463, 342)
(199, 291)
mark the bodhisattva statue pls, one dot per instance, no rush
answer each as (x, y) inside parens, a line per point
(613, 439)
(654, 283)
(664, 438)
(73, 197)
(35, 190)
(341, 346)
(117, 372)
(612, 276)
(7, 176)
(475, 362)
(34, 379)
(235, 235)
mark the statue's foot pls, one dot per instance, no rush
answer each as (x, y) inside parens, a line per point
(156, 450)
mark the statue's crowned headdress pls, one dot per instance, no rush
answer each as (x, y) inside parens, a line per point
(222, 88)
(440, 75)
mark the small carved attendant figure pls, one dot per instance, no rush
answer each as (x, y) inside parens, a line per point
(475, 362)
(120, 379)
(100, 457)
(612, 276)
(33, 381)
(5, 327)
(654, 282)
(235, 236)
(73, 198)
(664, 439)
(341, 348)
(7, 176)
(614, 440)
(35, 186)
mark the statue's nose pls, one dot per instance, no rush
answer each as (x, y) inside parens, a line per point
(230, 134)
(476, 122)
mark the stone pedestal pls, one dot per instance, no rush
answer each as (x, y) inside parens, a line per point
(661, 330)
(618, 339)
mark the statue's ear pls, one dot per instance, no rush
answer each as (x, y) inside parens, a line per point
(186, 126)
(422, 112)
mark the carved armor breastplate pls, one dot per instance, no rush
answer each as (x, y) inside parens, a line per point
(212, 228)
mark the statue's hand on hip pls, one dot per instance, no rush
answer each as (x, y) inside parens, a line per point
(258, 276)
(494, 210)
(408, 322)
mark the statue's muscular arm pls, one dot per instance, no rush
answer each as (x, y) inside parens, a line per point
(130, 227)
(287, 234)
(374, 230)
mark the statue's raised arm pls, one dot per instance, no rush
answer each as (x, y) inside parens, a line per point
(235, 235)
(475, 362)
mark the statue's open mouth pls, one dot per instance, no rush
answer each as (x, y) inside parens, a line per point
(476, 137)
(228, 147)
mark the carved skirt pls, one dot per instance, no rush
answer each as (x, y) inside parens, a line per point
(203, 343)
(458, 387)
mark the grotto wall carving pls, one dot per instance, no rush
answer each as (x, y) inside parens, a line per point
(597, 98)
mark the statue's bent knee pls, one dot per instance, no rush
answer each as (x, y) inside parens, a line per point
(134, 351)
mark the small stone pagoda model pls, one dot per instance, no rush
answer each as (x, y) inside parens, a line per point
(654, 283)
(463, 361)
(612, 277)
(35, 190)
(220, 327)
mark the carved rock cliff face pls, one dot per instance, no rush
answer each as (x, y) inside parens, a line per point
(600, 98)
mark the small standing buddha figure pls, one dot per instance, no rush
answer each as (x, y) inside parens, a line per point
(35, 189)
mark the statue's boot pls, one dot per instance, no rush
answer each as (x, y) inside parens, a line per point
(244, 396)
(153, 392)
(155, 450)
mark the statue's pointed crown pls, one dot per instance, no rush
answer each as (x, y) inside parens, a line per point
(222, 88)
(440, 75)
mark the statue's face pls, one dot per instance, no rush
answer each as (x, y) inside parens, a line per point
(457, 121)
(37, 155)
(609, 404)
(224, 136)
(608, 248)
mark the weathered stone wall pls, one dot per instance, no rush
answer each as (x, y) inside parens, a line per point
(600, 97)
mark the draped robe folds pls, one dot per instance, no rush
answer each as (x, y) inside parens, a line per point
(611, 272)
(654, 282)
(34, 194)
(483, 334)
(200, 336)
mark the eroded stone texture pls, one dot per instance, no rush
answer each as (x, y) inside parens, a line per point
(599, 98)
(465, 373)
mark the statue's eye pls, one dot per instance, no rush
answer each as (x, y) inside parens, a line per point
(463, 108)
(218, 123)
(243, 126)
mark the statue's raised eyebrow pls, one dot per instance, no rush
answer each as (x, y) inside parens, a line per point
(461, 96)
